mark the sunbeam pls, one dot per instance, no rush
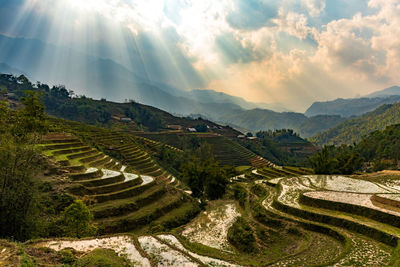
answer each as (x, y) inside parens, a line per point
(246, 49)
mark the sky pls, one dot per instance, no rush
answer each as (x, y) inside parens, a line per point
(290, 52)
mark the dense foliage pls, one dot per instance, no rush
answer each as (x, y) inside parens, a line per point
(28, 206)
(19, 161)
(377, 151)
(283, 147)
(382, 148)
(76, 220)
(65, 104)
(336, 160)
(241, 236)
(240, 194)
(353, 130)
(203, 174)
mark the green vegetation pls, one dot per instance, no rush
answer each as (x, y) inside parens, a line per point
(77, 218)
(240, 194)
(336, 160)
(241, 236)
(203, 174)
(283, 147)
(382, 147)
(226, 150)
(375, 152)
(129, 116)
(61, 178)
(19, 162)
(353, 130)
(102, 258)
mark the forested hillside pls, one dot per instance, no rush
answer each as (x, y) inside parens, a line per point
(64, 103)
(353, 130)
(382, 147)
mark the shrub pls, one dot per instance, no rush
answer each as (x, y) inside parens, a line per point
(102, 258)
(258, 190)
(241, 236)
(77, 219)
(240, 194)
(67, 257)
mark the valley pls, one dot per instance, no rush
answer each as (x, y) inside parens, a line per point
(161, 190)
(170, 133)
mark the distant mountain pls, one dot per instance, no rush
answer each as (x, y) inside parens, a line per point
(261, 119)
(318, 124)
(354, 129)
(212, 96)
(394, 90)
(104, 78)
(349, 107)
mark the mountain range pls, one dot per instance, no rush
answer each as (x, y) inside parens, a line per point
(56, 65)
(354, 129)
(350, 107)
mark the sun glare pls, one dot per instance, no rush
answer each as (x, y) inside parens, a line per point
(148, 13)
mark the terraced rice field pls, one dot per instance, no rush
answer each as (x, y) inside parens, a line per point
(344, 205)
(122, 197)
(272, 172)
(226, 151)
(210, 228)
(296, 218)
(146, 251)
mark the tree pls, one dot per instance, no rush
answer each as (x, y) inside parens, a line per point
(323, 162)
(203, 174)
(18, 164)
(340, 160)
(241, 236)
(31, 119)
(18, 193)
(201, 128)
(77, 218)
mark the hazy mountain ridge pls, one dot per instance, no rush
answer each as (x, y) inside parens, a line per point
(349, 107)
(394, 90)
(111, 81)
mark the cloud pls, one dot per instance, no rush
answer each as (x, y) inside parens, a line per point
(292, 51)
(314, 7)
(251, 14)
(233, 50)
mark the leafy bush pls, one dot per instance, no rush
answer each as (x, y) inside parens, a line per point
(66, 256)
(240, 194)
(77, 219)
(339, 160)
(19, 130)
(258, 190)
(102, 258)
(241, 236)
(203, 174)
